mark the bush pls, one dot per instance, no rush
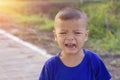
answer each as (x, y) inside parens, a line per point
(38, 22)
(104, 22)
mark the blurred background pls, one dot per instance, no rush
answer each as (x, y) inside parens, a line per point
(32, 21)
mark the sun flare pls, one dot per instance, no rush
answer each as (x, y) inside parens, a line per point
(8, 5)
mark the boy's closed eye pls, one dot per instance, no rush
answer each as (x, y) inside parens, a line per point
(78, 33)
(62, 33)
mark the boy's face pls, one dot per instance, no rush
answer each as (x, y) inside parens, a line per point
(71, 35)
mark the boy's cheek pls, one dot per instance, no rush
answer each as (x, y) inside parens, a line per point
(59, 41)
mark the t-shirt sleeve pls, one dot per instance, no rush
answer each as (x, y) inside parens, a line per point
(101, 71)
(44, 74)
(47, 72)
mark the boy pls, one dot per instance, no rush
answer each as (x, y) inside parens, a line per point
(73, 62)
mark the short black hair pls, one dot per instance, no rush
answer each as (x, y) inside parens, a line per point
(70, 13)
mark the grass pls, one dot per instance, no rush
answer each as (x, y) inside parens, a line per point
(38, 22)
(104, 26)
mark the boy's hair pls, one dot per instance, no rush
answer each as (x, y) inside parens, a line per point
(70, 13)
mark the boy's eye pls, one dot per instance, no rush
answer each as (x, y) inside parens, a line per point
(62, 33)
(78, 33)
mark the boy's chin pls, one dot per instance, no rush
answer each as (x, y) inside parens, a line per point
(70, 52)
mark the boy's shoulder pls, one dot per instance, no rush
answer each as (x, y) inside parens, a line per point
(97, 65)
(52, 60)
(92, 54)
(94, 59)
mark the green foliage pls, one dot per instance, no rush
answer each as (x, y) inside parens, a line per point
(104, 25)
(39, 22)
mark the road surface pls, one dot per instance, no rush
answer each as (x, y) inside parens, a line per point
(19, 60)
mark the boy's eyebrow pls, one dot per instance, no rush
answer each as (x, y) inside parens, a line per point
(78, 30)
(63, 30)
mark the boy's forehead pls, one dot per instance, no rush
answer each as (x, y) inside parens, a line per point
(75, 23)
(57, 21)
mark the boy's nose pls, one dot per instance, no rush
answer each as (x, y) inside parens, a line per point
(70, 37)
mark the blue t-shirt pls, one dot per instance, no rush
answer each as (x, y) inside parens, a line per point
(91, 68)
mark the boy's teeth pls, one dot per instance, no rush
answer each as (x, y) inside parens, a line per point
(70, 45)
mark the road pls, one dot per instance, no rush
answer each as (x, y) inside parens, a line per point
(19, 60)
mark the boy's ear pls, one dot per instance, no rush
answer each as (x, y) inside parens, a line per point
(87, 34)
(55, 36)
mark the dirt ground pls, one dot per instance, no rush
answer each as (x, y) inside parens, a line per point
(45, 39)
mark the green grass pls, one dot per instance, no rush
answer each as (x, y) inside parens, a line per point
(38, 22)
(103, 37)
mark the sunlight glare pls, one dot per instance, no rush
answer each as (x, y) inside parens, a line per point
(8, 5)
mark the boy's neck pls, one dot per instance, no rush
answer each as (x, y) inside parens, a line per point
(72, 59)
(72, 56)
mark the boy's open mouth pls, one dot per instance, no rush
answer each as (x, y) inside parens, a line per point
(70, 45)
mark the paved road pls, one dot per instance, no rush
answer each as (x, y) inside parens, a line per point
(19, 60)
